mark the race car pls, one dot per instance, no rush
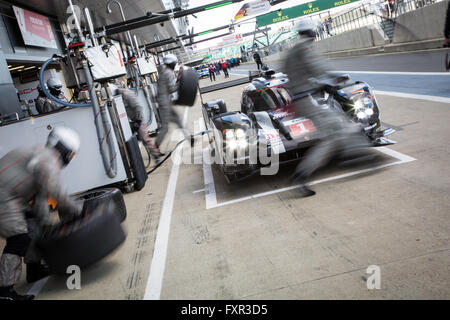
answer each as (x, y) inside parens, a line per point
(202, 73)
(268, 128)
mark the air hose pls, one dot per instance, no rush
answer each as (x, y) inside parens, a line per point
(174, 148)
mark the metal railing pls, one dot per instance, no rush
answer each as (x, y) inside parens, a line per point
(376, 13)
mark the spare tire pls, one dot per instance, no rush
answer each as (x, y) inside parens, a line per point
(187, 87)
(105, 196)
(81, 242)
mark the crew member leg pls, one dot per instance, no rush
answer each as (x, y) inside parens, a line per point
(13, 227)
(35, 269)
(145, 138)
(164, 113)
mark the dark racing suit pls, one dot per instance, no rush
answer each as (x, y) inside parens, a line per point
(45, 105)
(338, 135)
(166, 86)
(135, 111)
(28, 175)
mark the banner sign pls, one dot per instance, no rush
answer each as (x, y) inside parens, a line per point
(36, 29)
(300, 10)
(252, 8)
(231, 38)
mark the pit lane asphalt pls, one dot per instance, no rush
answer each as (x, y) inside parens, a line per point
(282, 246)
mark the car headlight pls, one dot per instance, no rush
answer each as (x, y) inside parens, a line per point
(361, 115)
(240, 133)
(232, 143)
(367, 102)
(359, 105)
(369, 111)
(362, 103)
(237, 138)
(242, 143)
(229, 134)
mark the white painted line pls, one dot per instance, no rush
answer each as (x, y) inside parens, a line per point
(37, 286)
(400, 73)
(395, 154)
(210, 189)
(208, 179)
(198, 191)
(399, 156)
(158, 264)
(413, 96)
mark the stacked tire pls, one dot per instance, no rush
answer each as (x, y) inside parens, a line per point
(187, 87)
(89, 238)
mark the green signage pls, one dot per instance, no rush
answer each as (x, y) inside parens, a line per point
(298, 11)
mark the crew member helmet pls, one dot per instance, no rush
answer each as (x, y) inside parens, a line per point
(170, 60)
(65, 141)
(54, 83)
(306, 27)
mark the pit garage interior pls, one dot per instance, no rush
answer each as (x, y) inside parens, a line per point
(191, 235)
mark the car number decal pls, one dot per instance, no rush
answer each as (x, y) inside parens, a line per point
(300, 126)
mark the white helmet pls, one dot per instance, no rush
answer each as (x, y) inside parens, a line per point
(306, 27)
(171, 60)
(65, 141)
(54, 83)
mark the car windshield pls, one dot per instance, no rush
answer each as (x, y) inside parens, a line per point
(264, 100)
(284, 95)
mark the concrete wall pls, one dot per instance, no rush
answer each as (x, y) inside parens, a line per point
(364, 37)
(421, 24)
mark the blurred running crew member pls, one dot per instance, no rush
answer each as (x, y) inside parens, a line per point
(167, 86)
(135, 111)
(338, 135)
(28, 174)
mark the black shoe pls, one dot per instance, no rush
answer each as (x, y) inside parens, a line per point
(8, 293)
(303, 188)
(305, 191)
(36, 271)
(154, 153)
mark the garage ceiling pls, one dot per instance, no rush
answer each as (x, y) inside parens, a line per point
(132, 9)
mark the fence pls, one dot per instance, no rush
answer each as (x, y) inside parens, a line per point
(375, 13)
(379, 13)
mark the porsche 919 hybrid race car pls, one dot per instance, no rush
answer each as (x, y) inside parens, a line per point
(268, 123)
